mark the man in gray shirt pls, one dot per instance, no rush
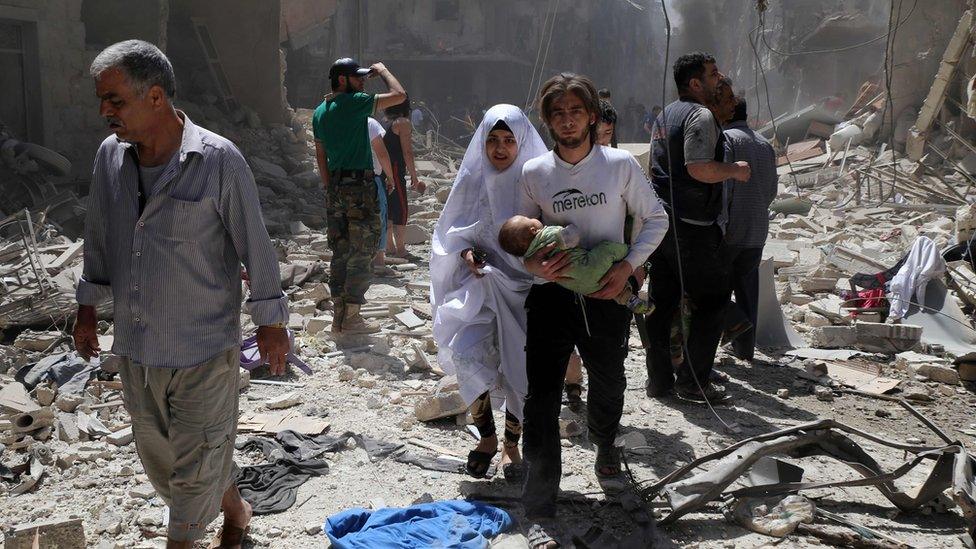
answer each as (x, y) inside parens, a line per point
(173, 211)
(687, 172)
(748, 221)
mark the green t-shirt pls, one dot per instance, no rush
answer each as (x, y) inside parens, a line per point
(340, 124)
(586, 267)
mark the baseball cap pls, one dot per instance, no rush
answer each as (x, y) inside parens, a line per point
(348, 67)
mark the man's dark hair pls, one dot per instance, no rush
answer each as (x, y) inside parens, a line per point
(607, 113)
(398, 111)
(689, 66)
(334, 81)
(740, 114)
(604, 93)
(567, 82)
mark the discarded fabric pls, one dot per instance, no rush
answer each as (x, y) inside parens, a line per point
(452, 524)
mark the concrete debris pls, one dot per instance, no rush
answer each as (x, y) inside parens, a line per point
(286, 400)
(446, 404)
(30, 340)
(122, 437)
(60, 533)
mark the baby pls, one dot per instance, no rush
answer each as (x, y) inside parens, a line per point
(522, 236)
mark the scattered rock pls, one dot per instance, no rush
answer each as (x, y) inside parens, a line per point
(783, 393)
(286, 400)
(823, 393)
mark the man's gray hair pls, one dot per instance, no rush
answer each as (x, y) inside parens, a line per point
(143, 63)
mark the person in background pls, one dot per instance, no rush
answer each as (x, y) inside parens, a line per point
(343, 155)
(747, 221)
(399, 143)
(384, 186)
(688, 168)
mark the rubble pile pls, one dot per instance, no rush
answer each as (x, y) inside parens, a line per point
(825, 329)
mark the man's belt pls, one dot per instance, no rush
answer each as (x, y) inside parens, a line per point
(355, 175)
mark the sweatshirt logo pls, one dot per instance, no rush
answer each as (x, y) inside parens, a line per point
(571, 199)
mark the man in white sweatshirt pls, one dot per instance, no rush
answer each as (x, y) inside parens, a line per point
(594, 188)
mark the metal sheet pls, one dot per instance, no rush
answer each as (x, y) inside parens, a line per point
(772, 328)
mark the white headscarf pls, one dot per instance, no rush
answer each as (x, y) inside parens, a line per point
(468, 311)
(477, 185)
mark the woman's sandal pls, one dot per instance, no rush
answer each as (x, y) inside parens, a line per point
(538, 538)
(479, 463)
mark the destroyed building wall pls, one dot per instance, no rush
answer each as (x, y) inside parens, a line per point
(56, 97)
(142, 19)
(237, 58)
(822, 49)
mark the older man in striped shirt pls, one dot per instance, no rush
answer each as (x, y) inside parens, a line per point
(173, 212)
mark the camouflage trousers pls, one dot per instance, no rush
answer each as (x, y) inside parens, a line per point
(353, 232)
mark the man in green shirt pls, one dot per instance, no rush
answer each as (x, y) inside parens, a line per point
(342, 152)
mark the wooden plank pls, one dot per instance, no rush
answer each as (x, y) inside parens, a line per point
(936, 96)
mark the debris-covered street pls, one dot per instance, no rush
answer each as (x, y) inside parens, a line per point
(852, 426)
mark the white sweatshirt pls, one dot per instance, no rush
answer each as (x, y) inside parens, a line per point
(595, 195)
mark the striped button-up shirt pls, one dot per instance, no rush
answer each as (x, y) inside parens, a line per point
(747, 203)
(174, 270)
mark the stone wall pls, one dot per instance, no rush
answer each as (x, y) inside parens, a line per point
(71, 124)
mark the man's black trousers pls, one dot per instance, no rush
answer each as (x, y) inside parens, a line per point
(558, 321)
(705, 270)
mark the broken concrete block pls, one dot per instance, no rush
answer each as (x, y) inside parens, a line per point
(815, 320)
(122, 437)
(942, 374)
(68, 403)
(142, 491)
(832, 337)
(313, 528)
(633, 442)
(823, 393)
(315, 292)
(409, 319)
(44, 395)
(886, 338)
(91, 425)
(317, 324)
(67, 427)
(305, 307)
(29, 340)
(14, 397)
(783, 393)
(817, 284)
(415, 234)
(440, 405)
(286, 400)
(913, 390)
(63, 534)
(442, 194)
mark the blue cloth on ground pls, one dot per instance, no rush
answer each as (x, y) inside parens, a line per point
(454, 524)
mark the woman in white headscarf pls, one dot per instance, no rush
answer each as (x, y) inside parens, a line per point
(478, 291)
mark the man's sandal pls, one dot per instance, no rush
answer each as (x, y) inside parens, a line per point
(538, 538)
(608, 457)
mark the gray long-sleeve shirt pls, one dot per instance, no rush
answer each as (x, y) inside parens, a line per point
(174, 271)
(748, 202)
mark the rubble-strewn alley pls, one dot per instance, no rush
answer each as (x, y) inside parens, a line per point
(853, 426)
